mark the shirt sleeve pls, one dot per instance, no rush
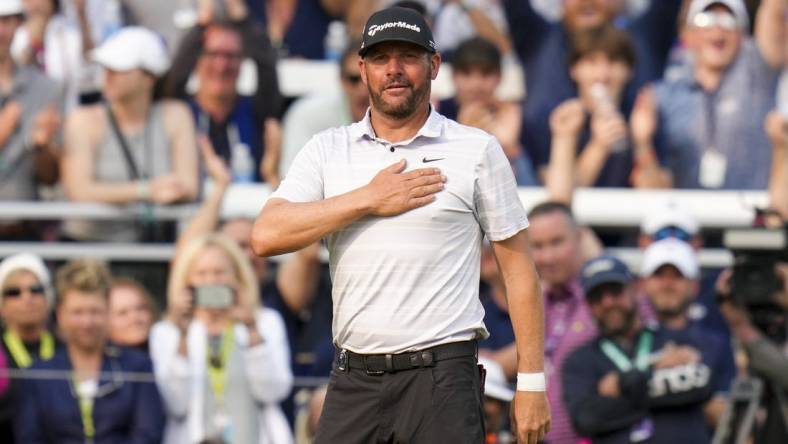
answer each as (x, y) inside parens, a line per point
(304, 180)
(497, 204)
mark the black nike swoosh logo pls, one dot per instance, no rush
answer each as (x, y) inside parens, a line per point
(425, 160)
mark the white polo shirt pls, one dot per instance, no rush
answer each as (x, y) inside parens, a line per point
(411, 281)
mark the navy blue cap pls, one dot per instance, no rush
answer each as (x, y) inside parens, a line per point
(604, 270)
(396, 24)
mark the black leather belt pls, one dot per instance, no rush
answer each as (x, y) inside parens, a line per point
(390, 363)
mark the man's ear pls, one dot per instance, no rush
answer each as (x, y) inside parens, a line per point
(435, 63)
(362, 70)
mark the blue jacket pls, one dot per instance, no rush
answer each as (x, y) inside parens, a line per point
(124, 412)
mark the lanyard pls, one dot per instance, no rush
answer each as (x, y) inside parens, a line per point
(86, 413)
(217, 374)
(614, 353)
(19, 352)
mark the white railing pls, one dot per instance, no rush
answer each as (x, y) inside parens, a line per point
(608, 208)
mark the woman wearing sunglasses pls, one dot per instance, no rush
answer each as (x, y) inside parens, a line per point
(90, 391)
(26, 300)
(222, 362)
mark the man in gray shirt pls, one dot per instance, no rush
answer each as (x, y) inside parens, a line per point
(29, 122)
(707, 125)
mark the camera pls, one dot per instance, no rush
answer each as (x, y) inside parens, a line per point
(213, 296)
(756, 252)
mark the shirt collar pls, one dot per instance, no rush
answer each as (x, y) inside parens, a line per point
(432, 128)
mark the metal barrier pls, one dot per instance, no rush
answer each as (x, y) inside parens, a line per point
(603, 208)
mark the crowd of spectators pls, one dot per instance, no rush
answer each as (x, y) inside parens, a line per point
(142, 102)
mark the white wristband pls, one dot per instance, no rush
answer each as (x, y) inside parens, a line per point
(531, 382)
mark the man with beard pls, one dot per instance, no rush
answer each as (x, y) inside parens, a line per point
(404, 198)
(631, 383)
(669, 279)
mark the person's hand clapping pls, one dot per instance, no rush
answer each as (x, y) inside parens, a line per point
(567, 119)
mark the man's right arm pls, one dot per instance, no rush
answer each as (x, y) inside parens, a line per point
(284, 226)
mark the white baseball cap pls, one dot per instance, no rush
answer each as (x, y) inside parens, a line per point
(670, 251)
(133, 47)
(495, 384)
(33, 264)
(736, 6)
(11, 7)
(668, 214)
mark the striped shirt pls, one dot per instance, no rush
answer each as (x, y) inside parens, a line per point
(411, 281)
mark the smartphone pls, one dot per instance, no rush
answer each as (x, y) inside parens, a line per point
(214, 296)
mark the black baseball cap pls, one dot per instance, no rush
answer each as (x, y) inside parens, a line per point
(396, 24)
(604, 270)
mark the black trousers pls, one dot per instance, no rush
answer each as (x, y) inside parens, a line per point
(440, 404)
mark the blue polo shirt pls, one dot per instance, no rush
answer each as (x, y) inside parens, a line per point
(730, 119)
(543, 48)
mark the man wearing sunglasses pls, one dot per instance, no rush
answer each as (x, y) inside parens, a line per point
(26, 303)
(707, 122)
(632, 383)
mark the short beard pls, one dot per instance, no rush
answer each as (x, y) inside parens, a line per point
(629, 321)
(406, 108)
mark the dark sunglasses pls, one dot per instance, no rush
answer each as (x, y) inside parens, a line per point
(13, 292)
(223, 54)
(352, 78)
(667, 232)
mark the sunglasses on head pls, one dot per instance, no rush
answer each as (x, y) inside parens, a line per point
(675, 232)
(709, 19)
(13, 292)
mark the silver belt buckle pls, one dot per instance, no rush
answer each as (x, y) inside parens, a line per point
(342, 361)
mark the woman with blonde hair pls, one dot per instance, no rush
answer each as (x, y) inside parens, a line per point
(221, 360)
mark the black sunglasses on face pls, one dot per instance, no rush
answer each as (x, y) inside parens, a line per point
(352, 78)
(13, 292)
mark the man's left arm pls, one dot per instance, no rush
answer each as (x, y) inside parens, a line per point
(770, 31)
(530, 410)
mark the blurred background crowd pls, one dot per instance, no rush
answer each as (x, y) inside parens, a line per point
(152, 105)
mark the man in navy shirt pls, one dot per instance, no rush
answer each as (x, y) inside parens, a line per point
(633, 384)
(543, 48)
(669, 274)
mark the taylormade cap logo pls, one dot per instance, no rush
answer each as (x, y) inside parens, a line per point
(396, 24)
(383, 26)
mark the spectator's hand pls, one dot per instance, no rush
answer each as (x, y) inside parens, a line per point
(530, 416)
(672, 355)
(214, 165)
(606, 130)
(46, 125)
(79, 5)
(643, 120)
(236, 9)
(9, 119)
(166, 189)
(269, 166)
(651, 177)
(776, 127)
(608, 385)
(242, 314)
(392, 192)
(181, 308)
(477, 114)
(568, 118)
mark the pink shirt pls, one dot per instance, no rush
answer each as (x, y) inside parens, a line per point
(568, 325)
